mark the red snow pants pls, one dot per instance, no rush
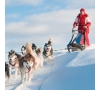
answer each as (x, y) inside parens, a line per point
(87, 41)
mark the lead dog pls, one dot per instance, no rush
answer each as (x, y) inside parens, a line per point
(48, 50)
(27, 67)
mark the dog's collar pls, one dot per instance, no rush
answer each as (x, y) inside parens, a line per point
(12, 64)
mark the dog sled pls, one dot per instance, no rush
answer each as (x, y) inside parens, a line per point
(74, 44)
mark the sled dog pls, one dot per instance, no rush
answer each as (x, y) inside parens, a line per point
(13, 58)
(48, 50)
(27, 67)
(37, 54)
(7, 75)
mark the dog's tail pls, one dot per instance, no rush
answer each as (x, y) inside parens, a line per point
(29, 48)
(50, 40)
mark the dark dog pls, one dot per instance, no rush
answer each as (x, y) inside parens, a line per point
(34, 47)
(7, 75)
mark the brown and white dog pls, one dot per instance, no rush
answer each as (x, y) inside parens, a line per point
(48, 50)
(13, 58)
(27, 67)
(7, 75)
(29, 62)
(36, 53)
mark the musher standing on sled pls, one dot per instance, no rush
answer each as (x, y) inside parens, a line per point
(83, 23)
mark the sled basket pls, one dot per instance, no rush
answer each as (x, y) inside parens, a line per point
(74, 44)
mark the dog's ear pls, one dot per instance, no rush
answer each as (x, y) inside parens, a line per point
(12, 51)
(33, 45)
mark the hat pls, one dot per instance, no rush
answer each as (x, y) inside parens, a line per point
(82, 9)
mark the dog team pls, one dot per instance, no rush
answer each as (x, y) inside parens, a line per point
(32, 57)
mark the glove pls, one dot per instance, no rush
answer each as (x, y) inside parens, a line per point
(74, 26)
(84, 27)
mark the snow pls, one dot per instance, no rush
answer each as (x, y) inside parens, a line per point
(69, 71)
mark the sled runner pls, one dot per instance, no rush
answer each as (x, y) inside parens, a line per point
(74, 44)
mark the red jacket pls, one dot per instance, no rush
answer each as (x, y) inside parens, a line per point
(82, 20)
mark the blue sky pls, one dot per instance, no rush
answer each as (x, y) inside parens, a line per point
(36, 21)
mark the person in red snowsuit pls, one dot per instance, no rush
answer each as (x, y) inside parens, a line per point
(83, 23)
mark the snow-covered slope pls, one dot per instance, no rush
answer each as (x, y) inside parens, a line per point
(69, 71)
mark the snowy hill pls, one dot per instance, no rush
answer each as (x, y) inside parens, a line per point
(69, 71)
